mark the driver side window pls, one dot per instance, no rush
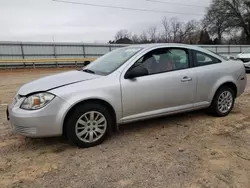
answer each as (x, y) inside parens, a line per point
(164, 60)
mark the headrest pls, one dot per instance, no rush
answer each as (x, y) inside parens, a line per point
(176, 58)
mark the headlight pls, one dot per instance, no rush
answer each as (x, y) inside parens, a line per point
(37, 101)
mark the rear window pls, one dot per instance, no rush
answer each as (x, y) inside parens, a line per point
(203, 59)
(221, 56)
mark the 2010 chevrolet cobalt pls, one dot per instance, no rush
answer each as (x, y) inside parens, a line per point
(128, 84)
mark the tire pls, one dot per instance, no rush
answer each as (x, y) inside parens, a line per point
(80, 122)
(215, 109)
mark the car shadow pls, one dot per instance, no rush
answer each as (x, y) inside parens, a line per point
(177, 119)
(60, 144)
(44, 145)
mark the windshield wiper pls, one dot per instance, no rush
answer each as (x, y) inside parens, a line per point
(88, 71)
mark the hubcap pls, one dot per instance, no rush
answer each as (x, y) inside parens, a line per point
(225, 102)
(91, 126)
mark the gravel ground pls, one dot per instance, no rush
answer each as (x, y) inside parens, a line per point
(188, 150)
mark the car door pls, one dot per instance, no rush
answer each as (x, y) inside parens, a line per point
(208, 70)
(169, 87)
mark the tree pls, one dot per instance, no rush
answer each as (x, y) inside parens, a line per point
(122, 37)
(144, 38)
(188, 32)
(166, 36)
(135, 39)
(152, 34)
(215, 21)
(229, 14)
(175, 26)
(205, 38)
(176, 31)
(173, 31)
(226, 21)
(122, 34)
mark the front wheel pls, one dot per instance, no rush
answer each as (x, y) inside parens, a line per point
(89, 125)
(223, 102)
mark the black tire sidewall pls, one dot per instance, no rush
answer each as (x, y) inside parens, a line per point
(77, 113)
(215, 109)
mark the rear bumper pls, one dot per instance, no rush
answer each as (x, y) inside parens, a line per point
(241, 84)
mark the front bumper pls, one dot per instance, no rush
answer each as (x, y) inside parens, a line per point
(45, 122)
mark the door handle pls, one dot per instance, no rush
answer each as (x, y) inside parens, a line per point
(186, 79)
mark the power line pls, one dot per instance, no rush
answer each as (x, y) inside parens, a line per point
(125, 8)
(179, 4)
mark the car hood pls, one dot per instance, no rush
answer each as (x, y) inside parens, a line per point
(55, 81)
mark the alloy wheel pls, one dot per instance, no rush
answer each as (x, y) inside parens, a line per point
(91, 126)
(225, 101)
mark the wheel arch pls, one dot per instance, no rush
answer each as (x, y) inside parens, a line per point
(232, 86)
(229, 84)
(96, 101)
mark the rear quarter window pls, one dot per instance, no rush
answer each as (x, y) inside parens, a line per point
(203, 59)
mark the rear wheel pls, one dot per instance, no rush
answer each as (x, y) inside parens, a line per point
(89, 125)
(223, 102)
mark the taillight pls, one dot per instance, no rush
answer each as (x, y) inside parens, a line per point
(242, 76)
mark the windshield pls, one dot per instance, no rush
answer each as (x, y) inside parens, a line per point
(246, 51)
(111, 61)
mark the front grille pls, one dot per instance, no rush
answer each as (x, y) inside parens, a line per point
(24, 130)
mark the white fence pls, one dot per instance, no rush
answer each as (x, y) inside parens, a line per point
(16, 50)
(42, 50)
(226, 49)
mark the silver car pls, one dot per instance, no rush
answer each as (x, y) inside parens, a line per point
(126, 85)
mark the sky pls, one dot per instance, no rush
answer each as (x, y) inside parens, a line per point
(47, 20)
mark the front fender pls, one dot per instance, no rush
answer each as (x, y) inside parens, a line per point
(113, 98)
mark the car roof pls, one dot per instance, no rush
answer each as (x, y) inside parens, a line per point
(148, 46)
(176, 45)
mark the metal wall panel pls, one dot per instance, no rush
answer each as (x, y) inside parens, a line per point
(244, 48)
(211, 48)
(38, 49)
(219, 48)
(223, 50)
(114, 48)
(13, 50)
(234, 49)
(96, 50)
(69, 56)
(10, 57)
(93, 56)
(39, 57)
(69, 50)
(10, 50)
(233, 53)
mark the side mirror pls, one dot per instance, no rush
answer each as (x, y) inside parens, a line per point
(137, 71)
